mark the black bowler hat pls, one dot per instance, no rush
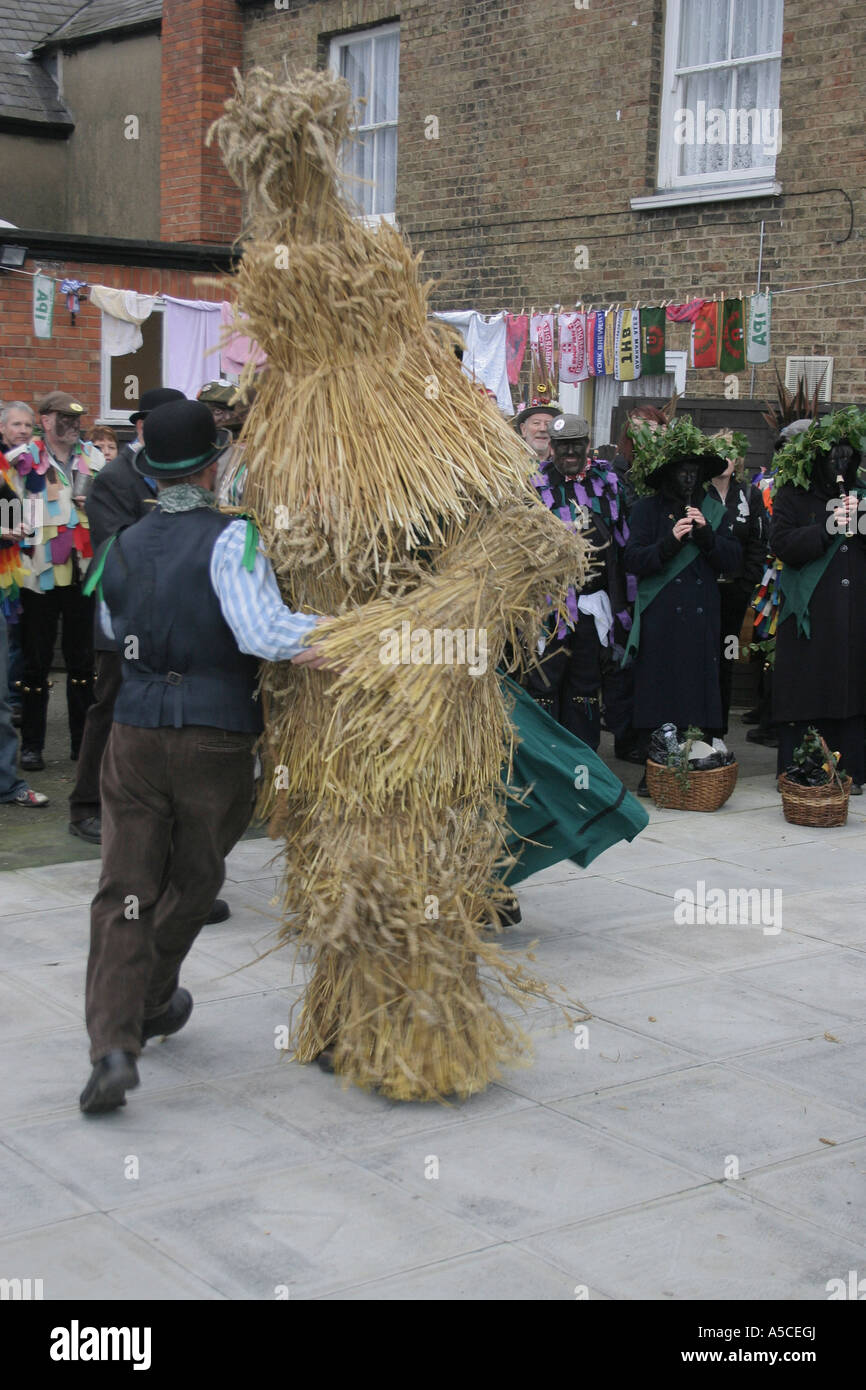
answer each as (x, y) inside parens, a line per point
(159, 395)
(180, 439)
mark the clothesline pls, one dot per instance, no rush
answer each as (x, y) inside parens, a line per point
(579, 304)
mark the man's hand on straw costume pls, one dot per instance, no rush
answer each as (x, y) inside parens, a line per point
(312, 656)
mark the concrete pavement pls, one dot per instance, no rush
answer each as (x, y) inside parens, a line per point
(703, 1137)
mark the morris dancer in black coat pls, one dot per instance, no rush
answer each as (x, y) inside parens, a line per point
(820, 672)
(746, 512)
(118, 497)
(681, 540)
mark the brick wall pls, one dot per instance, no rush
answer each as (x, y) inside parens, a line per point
(201, 44)
(548, 119)
(70, 359)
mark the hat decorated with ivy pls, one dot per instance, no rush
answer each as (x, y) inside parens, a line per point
(795, 462)
(681, 441)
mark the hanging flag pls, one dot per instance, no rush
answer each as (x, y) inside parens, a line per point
(652, 342)
(43, 305)
(595, 342)
(572, 348)
(627, 345)
(758, 342)
(609, 342)
(516, 330)
(732, 357)
(685, 313)
(705, 336)
(541, 339)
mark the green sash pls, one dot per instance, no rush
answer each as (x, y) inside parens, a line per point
(94, 574)
(651, 586)
(796, 587)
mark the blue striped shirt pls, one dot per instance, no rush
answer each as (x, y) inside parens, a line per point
(251, 604)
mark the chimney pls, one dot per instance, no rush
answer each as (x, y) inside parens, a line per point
(202, 42)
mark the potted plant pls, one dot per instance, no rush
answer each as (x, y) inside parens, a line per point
(815, 789)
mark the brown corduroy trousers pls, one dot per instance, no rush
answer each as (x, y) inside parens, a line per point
(174, 803)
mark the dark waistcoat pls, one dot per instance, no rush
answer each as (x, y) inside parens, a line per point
(181, 663)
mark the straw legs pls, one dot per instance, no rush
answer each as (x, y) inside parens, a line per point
(396, 913)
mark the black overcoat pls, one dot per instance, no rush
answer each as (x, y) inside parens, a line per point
(822, 676)
(118, 497)
(677, 667)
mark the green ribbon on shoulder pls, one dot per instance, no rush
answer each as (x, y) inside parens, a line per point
(651, 586)
(251, 545)
(94, 574)
(796, 587)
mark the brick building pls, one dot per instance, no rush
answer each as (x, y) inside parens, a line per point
(529, 129)
(539, 155)
(104, 179)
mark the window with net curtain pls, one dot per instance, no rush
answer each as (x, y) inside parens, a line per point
(369, 59)
(721, 56)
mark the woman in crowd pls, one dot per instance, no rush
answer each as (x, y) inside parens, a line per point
(654, 419)
(746, 513)
(681, 541)
(820, 672)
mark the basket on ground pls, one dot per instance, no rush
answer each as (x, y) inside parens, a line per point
(706, 790)
(827, 805)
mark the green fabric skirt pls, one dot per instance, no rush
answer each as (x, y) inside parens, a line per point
(574, 807)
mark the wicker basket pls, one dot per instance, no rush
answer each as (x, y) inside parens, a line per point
(826, 805)
(707, 790)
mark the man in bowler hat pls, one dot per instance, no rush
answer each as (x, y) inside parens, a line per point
(194, 605)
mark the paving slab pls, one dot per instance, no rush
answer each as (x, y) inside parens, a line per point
(831, 1066)
(716, 1017)
(588, 1058)
(118, 1160)
(38, 1201)
(93, 1257)
(714, 1243)
(826, 1190)
(530, 1171)
(501, 1273)
(322, 1228)
(716, 1120)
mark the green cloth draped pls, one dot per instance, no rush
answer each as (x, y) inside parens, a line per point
(558, 819)
(796, 587)
(651, 586)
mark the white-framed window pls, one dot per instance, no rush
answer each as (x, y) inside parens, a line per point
(124, 379)
(721, 123)
(369, 60)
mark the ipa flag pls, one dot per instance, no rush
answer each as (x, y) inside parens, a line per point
(43, 305)
(758, 343)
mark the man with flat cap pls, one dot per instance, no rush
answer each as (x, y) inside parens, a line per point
(53, 475)
(194, 605)
(119, 496)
